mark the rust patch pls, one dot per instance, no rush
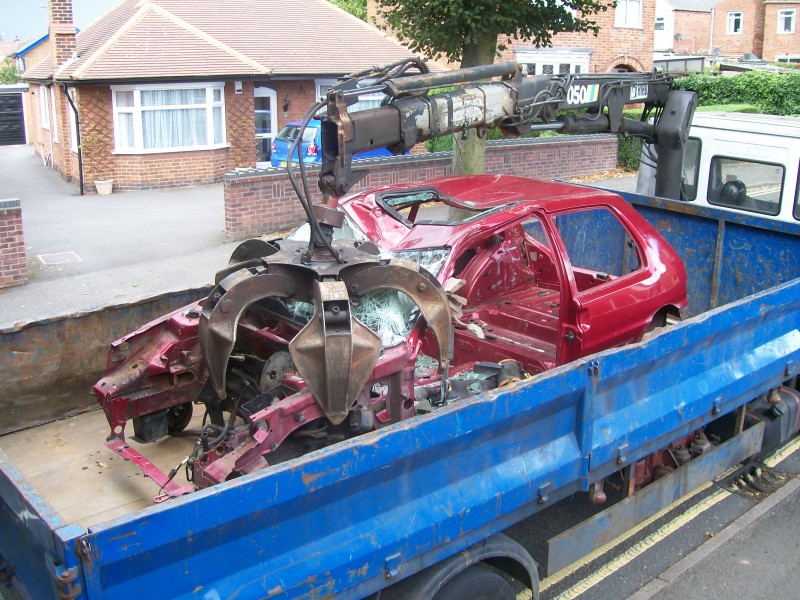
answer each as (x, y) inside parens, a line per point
(310, 479)
(360, 572)
(122, 536)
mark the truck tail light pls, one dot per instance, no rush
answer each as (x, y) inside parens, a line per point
(274, 147)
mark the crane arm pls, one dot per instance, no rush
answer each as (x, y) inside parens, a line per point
(515, 103)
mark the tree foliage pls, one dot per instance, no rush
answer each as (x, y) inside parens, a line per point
(459, 29)
(8, 71)
(467, 31)
(357, 8)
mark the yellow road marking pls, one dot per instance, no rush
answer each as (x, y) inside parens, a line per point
(782, 453)
(648, 542)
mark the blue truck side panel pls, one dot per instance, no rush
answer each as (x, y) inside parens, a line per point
(727, 255)
(336, 522)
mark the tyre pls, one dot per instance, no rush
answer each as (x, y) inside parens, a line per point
(478, 582)
(178, 417)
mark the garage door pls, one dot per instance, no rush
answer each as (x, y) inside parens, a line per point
(12, 122)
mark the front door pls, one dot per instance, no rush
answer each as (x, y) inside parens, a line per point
(266, 123)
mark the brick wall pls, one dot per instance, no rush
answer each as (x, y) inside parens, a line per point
(751, 37)
(13, 268)
(776, 44)
(258, 202)
(61, 31)
(695, 30)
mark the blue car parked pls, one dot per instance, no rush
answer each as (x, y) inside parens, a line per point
(311, 146)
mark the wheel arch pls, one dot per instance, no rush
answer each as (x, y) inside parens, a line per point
(498, 551)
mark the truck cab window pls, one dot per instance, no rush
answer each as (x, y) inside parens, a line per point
(691, 164)
(796, 211)
(746, 185)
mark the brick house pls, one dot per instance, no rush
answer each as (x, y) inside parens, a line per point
(729, 28)
(781, 35)
(624, 43)
(167, 93)
(684, 26)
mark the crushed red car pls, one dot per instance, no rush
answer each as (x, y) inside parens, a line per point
(534, 274)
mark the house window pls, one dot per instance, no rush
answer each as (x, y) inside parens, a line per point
(166, 118)
(628, 14)
(365, 101)
(659, 23)
(44, 110)
(735, 23)
(789, 59)
(786, 21)
(550, 62)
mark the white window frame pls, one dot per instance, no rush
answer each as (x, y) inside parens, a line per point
(730, 28)
(628, 14)
(44, 109)
(660, 21)
(267, 92)
(784, 15)
(137, 109)
(73, 122)
(53, 118)
(535, 61)
(364, 102)
(789, 58)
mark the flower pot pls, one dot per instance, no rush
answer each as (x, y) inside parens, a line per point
(104, 187)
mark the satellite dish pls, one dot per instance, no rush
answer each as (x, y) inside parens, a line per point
(717, 51)
(678, 36)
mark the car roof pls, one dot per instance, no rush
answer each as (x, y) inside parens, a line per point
(489, 191)
(521, 196)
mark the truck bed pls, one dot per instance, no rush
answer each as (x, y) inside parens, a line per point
(81, 479)
(341, 520)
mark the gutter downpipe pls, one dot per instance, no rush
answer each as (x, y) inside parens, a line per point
(78, 136)
(711, 34)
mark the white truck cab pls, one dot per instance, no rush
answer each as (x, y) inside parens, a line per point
(747, 163)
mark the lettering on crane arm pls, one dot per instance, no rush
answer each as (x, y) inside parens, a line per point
(583, 94)
(639, 91)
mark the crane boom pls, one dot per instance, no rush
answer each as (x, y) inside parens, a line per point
(516, 103)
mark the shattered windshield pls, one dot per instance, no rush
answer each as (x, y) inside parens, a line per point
(389, 313)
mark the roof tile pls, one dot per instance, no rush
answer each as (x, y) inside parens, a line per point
(141, 39)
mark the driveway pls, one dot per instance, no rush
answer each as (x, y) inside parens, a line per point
(90, 251)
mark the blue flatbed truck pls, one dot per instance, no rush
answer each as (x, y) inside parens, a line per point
(416, 510)
(420, 500)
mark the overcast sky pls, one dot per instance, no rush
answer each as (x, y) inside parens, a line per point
(27, 19)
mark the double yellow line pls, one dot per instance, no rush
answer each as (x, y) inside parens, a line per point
(648, 541)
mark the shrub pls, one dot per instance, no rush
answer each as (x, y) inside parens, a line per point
(772, 93)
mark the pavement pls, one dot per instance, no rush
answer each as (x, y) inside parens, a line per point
(88, 252)
(129, 246)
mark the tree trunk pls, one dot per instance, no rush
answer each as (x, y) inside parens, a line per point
(469, 150)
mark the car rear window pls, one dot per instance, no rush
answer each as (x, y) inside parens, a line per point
(289, 133)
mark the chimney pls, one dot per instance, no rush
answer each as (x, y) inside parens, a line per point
(62, 32)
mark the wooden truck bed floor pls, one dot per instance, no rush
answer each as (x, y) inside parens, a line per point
(69, 465)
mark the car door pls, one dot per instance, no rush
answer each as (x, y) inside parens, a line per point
(606, 279)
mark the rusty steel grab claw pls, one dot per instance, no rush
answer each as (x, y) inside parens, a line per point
(417, 283)
(335, 352)
(225, 305)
